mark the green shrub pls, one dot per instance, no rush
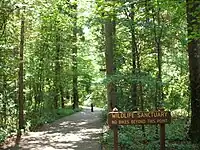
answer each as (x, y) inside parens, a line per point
(48, 116)
(133, 138)
(3, 135)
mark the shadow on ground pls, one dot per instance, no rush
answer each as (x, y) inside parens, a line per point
(81, 131)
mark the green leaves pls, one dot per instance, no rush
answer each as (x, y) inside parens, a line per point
(132, 137)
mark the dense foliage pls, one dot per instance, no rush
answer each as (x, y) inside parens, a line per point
(48, 62)
(66, 51)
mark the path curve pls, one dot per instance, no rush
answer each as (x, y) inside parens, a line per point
(80, 131)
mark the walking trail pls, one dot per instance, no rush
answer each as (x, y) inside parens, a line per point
(80, 131)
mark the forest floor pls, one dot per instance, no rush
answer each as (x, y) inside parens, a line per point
(80, 131)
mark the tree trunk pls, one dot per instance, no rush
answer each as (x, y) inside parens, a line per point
(110, 68)
(40, 92)
(20, 82)
(57, 72)
(193, 14)
(4, 101)
(157, 37)
(62, 97)
(134, 54)
(74, 60)
(140, 91)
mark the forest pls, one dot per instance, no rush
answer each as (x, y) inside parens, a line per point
(58, 55)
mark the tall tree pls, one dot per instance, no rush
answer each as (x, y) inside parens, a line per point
(109, 54)
(134, 51)
(74, 56)
(21, 80)
(57, 71)
(193, 20)
(134, 56)
(158, 29)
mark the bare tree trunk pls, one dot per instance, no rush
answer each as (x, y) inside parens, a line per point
(62, 97)
(109, 54)
(21, 83)
(193, 14)
(74, 60)
(134, 60)
(157, 40)
(4, 100)
(157, 36)
(57, 72)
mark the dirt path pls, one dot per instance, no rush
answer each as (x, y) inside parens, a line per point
(80, 131)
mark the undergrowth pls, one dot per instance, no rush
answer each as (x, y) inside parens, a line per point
(35, 120)
(134, 137)
(48, 117)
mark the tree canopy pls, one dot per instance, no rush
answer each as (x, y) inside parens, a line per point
(133, 55)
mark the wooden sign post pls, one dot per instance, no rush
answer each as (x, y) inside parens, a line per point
(115, 131)
(161, 117)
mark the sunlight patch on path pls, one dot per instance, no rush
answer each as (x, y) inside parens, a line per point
(77, 132)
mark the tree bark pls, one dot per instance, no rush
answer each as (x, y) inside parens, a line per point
(134, 60)
(157, 37)
(20, 82)
(57, 79)
(74, 60)
(109, 54)
(62, 97)
(4, 100)
(193, 14)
